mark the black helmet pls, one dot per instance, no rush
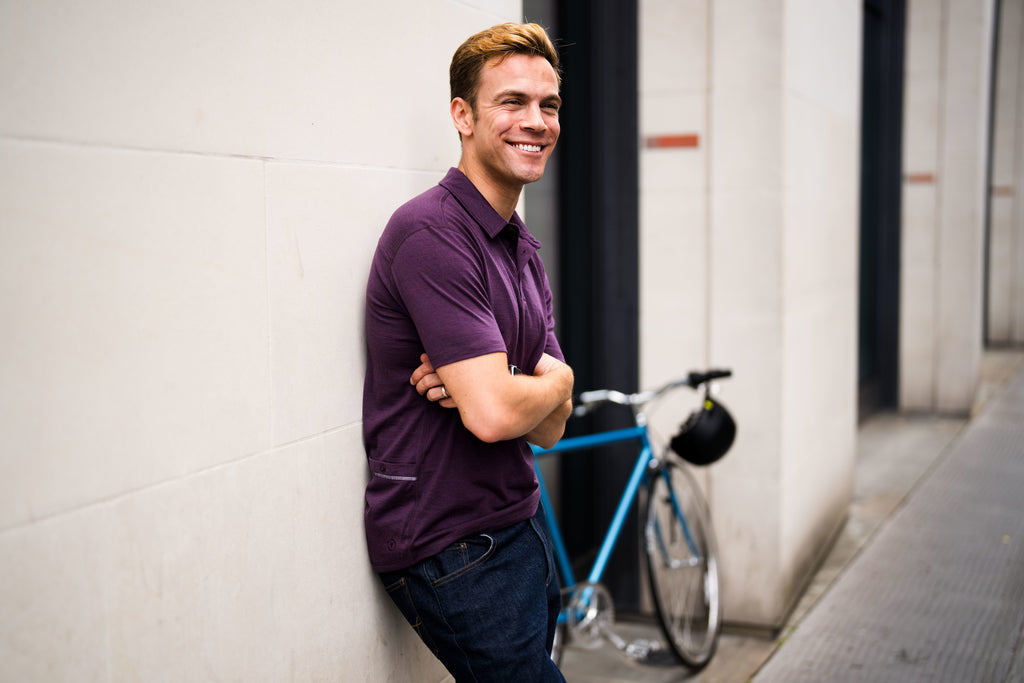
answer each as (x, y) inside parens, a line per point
(706, 435)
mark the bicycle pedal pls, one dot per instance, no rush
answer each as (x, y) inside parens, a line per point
(652, 653)
(640, 649)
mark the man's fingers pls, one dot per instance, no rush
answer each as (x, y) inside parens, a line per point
(426, 383)
(421, 373)
(429, 385)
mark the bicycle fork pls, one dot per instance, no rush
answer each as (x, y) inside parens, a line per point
(695, 558)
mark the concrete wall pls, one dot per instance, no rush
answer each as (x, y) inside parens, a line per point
(1005, 320)
(674, 200)
(189, 198)
(945, 162)
(750, 117)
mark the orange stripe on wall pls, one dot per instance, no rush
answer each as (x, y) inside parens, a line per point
(919, 178)
(1002, 191)
(686, 140)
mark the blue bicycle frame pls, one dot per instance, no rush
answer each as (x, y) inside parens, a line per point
(632, 487)
(673, 544)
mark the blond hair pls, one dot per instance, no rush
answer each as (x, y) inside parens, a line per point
(501, 41)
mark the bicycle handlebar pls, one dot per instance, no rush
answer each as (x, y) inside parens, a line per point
(588, 400)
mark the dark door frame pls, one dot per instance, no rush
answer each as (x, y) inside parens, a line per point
(880, 197)
(599, 258)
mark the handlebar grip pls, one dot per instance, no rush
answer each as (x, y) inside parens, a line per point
(698, 378)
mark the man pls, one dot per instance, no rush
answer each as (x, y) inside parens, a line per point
(463, 370)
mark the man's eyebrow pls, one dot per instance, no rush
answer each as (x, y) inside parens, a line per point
(504, 94)
(554, 97)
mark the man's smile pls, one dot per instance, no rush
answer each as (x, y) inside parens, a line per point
(525, 147)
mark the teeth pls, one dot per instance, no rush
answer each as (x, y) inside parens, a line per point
(529, 148)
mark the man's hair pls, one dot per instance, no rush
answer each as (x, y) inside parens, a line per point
(501, 41)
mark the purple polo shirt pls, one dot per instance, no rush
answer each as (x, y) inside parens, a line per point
(450, 277)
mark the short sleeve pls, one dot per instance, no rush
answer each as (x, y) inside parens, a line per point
(442, 281)
(551, 346)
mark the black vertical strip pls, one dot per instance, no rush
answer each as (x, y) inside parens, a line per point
(881, 190)
(600, 260)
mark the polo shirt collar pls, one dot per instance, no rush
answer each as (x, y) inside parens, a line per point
(466, 193)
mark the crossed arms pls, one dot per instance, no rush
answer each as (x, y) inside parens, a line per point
(496, 406)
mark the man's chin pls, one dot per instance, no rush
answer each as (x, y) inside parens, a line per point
(532, 175)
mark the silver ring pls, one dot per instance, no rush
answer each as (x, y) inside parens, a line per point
(444, 393)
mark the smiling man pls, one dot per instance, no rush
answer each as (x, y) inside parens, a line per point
(464, 372)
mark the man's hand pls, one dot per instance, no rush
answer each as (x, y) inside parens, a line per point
(546, 364)
(429, 385)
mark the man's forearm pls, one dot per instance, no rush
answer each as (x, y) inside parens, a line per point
(496, 406)
(547, 415)
(551, 429)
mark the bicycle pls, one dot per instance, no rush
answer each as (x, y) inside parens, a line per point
(679, 544)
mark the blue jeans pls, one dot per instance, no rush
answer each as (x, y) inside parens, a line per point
(487, 605)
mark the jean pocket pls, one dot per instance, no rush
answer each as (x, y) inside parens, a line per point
(459, 558)
(400, 595)
(549, 556)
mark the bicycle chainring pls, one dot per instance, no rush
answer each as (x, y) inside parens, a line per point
(591, 615)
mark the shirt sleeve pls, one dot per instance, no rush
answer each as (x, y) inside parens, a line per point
(442, 283)
(551, 346)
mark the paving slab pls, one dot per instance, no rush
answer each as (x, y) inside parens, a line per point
(938, 594)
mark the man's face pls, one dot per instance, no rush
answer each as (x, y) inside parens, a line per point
(515, 122)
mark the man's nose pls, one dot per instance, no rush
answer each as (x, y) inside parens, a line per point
(533, 119)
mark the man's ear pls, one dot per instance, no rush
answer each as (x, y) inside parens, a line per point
(462, 116)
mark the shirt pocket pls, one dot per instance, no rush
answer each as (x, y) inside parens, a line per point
(395, 472)
(391, 496)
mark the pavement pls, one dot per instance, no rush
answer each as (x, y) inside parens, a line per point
(924, 583)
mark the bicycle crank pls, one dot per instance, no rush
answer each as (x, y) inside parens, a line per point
(591, 614)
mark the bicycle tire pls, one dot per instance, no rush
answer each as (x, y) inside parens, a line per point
(684, 585)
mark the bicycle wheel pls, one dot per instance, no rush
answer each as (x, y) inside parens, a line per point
(682, 564)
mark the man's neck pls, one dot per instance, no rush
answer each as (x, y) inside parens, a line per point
(502, 199)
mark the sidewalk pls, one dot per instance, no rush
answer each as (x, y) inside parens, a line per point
(926, 582)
